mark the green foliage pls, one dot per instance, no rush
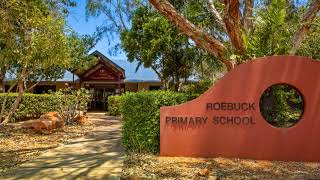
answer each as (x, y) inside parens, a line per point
(34, 45)
(194, 90)
(80, 47)
(275, 25)
(197, 12)
(33, 105)
(310, 45)
(141, 118)
(154, 42)
(281, 105)
(33, 36)
(70, 107)
(114, 103)
(273, 31)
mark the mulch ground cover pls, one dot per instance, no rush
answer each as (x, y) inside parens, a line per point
(146, 166)
(18, 145)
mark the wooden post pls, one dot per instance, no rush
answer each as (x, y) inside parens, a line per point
(119, 85)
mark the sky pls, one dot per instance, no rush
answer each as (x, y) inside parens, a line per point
(77, 21)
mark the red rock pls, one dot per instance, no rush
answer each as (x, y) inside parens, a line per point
(82, 120)
(55, 118)
(37, 125)
(49, 121)
(203, 172)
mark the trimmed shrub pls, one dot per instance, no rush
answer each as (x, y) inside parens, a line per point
(33, 105)
(114, 105)
(196, 89)
(141, 118)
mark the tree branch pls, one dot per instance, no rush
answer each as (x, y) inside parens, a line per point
(120, 15)
(216, 14)
(247, 20)
(232, 21)
(202, 39)
(35, 84)
(111, 18)
(307, 20)
(157, 72)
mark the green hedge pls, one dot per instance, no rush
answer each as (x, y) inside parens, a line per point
(141, 118)
(114, 105)
(32, 105)
(196, 89)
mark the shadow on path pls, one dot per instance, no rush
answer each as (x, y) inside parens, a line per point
(99, 155)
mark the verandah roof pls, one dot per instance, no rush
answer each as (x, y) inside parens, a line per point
(142, 75)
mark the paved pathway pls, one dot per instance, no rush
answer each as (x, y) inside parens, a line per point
(99, 155)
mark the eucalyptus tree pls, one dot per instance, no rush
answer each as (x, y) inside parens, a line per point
(35, 44)
(119, 19)
(155, 43)
(231, 31)
(237, 20)
(8, 35)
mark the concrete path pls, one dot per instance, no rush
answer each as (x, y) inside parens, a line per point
(99, 155)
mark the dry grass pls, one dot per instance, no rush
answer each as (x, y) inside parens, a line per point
(145, 166)
(18, 145)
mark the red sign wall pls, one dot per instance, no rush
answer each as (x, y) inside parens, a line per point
(226, 120)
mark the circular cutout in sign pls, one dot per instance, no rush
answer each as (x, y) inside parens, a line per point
(282, 105)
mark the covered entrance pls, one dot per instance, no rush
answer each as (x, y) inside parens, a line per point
(103, 80)
(99, 94)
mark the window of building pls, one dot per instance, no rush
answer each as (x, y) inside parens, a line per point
(7, 87)
(43, 89)
(153, 88)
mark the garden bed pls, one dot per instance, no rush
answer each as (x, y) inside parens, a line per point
(145, 166)
(18, 145)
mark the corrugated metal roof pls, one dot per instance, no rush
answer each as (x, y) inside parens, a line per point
(142, 75)
(68, 77)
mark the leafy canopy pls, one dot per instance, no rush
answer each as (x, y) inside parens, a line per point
(154, 42)
(33, 38)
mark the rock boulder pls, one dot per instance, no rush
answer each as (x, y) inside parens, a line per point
(48, 121)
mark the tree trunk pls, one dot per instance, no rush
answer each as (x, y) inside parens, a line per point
(2, 86)
(16, 103)
(200, 37)
(232, 22)
(176, 83)
(166, 84)
(247, 19)
(306, 24)
(4, 103)
(2, 77)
